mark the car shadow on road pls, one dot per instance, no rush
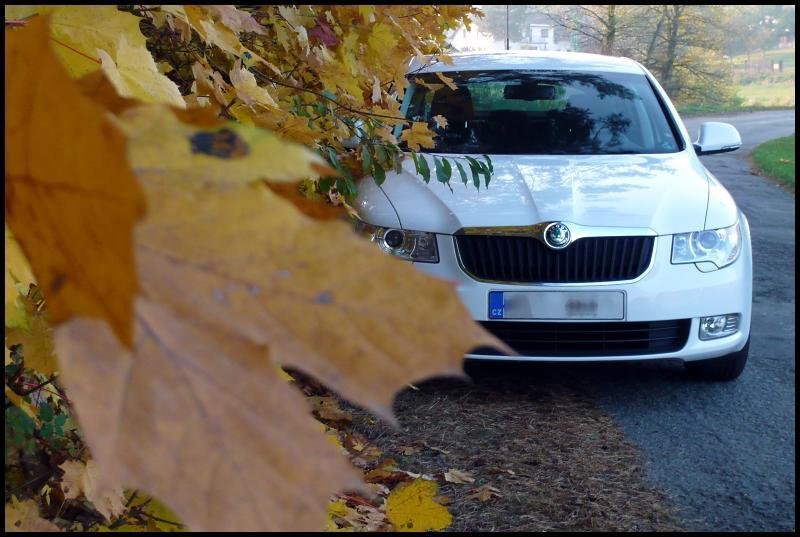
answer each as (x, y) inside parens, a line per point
(508, 378)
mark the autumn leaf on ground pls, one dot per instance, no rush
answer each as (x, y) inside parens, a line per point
(386, 474)
(410, 507)
(419, 135)
(80, 479)
(484, 493)
(327, 408)
(24, 516)
(73, 223)
(458, 476)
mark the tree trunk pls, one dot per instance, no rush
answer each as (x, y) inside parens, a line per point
(651, 48)
(672, 46)
(611, 31)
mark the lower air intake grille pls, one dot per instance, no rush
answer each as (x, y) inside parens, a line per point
(589, 338)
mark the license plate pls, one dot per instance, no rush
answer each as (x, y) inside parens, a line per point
(555, 305)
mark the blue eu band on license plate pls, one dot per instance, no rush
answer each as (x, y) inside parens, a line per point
(496, 304)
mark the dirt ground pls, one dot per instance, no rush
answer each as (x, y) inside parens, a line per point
(557, 461)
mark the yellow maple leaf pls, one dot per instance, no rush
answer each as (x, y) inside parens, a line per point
(381, 38)
(18, 279)
(79, 31)
(135, 75)
(447, 80)
(36, 338)
(411, 507)
(61, 153)
(419, 135)
(24, 516)
(80, 479)
(247, 89)
(222, 288)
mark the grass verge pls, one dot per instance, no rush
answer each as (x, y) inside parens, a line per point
(776, 159)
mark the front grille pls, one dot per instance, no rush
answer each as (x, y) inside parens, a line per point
(589, 338)
(527, 260)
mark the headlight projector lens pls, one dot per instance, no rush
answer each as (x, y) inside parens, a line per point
(394, 238)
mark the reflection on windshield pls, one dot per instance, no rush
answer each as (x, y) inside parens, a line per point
(542, 112)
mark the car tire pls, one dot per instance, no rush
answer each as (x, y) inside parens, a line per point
(725, 368)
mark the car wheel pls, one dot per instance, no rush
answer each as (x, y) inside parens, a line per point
(726, 367)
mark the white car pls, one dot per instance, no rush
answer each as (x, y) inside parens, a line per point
(600, 237)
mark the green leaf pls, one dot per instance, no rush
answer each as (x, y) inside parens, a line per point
(416, 162)
(462, 172)
(380, 154)
(333, 158)
(437, 162)
(47, 430)
(489, 162)
(424, 169)
(448, 169)
(366, 159)
(325, 184)
(46, 412)
(379, 174)
(483, 169)
(475, 169)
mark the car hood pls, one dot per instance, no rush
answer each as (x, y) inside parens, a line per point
(666, 193)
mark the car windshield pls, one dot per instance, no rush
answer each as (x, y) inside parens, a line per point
(541, 112)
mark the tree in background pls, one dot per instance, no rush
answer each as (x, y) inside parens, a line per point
(682, 45)
(494, 21)
(598, 28)
(760, 27)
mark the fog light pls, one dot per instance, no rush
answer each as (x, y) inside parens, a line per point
(719, 326)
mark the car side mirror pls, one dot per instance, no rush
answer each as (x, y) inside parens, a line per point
(715, 137)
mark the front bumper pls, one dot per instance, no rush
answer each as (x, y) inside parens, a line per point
(664, 292)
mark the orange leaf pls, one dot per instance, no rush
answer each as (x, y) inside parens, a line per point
(67, 173)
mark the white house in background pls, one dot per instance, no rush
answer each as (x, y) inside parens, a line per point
(542, 36)
(464, 40)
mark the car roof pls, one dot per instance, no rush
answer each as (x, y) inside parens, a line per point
(530, 59)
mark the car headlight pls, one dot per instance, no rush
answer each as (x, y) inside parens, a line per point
(417, 246)
(719, 246)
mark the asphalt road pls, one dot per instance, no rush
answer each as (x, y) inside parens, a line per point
(726, 452)
(723, 452)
